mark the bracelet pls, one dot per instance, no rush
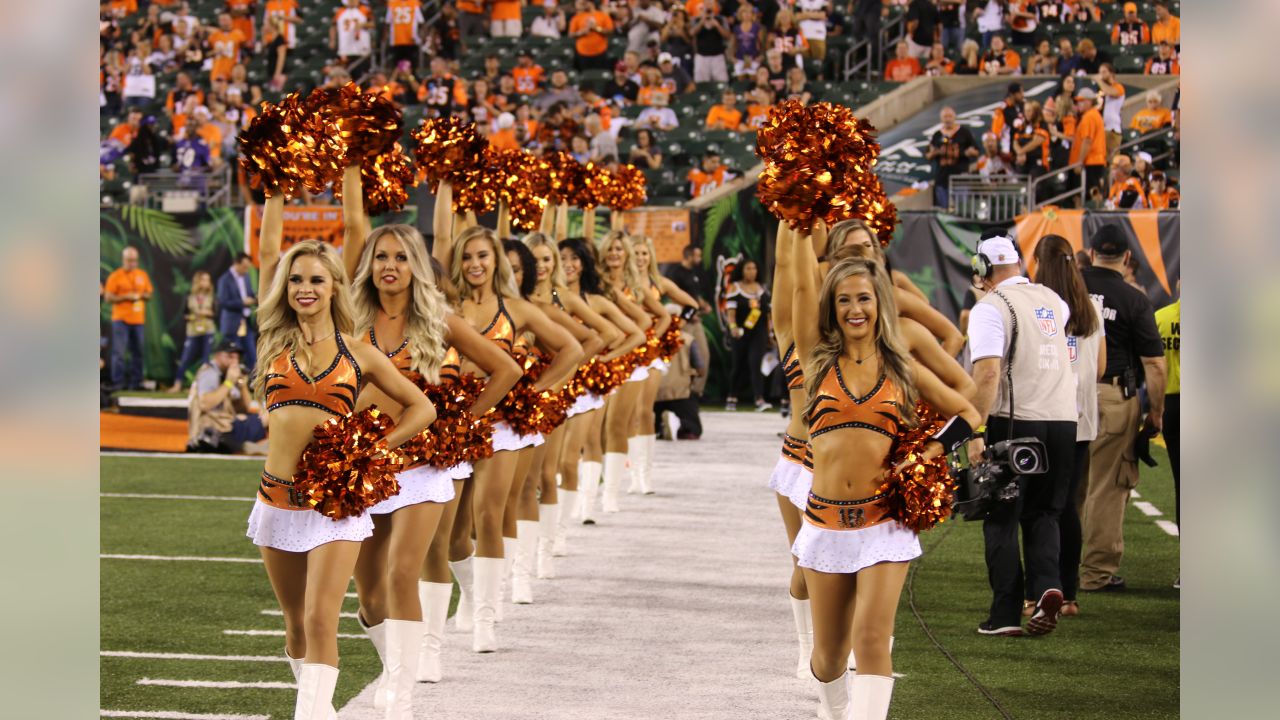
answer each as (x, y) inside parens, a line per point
(228, 384)
(981, 429)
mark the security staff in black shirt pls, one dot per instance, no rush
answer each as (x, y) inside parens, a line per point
(687, 275)
(1133, 346)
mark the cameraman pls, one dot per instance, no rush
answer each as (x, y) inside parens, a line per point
(1133, 344)
(220, 410)
(1029, 321)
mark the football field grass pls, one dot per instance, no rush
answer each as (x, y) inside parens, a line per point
(1118, 659)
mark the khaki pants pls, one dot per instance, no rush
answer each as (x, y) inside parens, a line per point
(699, 333)
(1113, 472)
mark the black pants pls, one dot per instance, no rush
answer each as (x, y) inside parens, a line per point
(746, 353)
(686, 409)
(1070, 539)
(1037, 509)
(1173, 439)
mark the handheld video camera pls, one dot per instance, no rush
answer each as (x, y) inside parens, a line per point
(995, 480)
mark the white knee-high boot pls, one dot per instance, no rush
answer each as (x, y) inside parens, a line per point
(648, 443)
(315, 691)
(635, 456)
(833, 697)
(464, 572)
(615, 466)
(569, 510)
(508, 562)
(378, 636)
(522, 571)
(804, 633)
(488, 572)
(548, 523)
(404, 642)
(589, 485)
(434, 598)
(870, 696)
(295, 666)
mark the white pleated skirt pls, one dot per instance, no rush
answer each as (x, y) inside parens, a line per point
(640, 373)
(848, 551)
(586, 403)
(421, 484)
(302, 530)
(504, 438)
(659, 366)
(792, 481)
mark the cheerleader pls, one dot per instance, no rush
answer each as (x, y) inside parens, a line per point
(583, 443)
(402, 313)
(479, 270)
(643, 436)
(862, 383)
(623, 285)
(305, 318)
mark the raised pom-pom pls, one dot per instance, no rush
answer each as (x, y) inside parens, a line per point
(290, 146)
(448, 149)
(368, 124)
(386, 180)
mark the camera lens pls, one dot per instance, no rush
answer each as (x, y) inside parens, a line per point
(1023, 459)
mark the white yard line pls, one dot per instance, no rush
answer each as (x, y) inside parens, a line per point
(219, 684)
(1168, 526)
(280, 633)
(176, 715)
(176, 456)
(190, 656)
(1148, 509)
(149, 496)
(180, 558)
(280, 613)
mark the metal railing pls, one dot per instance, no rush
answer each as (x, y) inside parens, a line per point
(187, 191)
(1072, 183)
(989, 198)
(862, 58)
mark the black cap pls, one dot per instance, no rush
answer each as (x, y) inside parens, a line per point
(228, 345)
(1109, 241)
(1014, 88)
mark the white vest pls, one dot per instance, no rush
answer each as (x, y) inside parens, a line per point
(1084, 361)
(1044, 387)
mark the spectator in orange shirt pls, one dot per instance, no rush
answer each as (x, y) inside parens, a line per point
(182, 87)
(938, 63)
(1130, 30)
(902, 67)
(127, 289)
(1090, 144)
(1152, 117)
(504, 18)
(1161, 196)
(1000, 59)
(726, 115)
(404, 20)
(590, 31)
(528, 76)
(121, 9)
(708, 177)
(504, 138)
(124, 133)
(242, 17)
(224, 47)
(1167, 26)
(1164, 62)
(761, 99)
(1126, 190)
(471, 17)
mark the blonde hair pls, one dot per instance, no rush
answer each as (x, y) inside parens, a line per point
(425, 326)
(895, 358)
(278, 329)
(839, 233)
(654, 277)
(630, 278)
(504, 283)
(540, 239)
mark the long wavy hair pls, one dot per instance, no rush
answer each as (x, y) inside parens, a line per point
(504, 284)
(838, 238)
(1056, 269)
(425, 325)
(630, 278)
(528, 266)
(895, 358)
(589, 278)
(536, 240)
(654, 277)
(278, 329)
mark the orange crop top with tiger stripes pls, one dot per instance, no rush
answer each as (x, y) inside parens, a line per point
(837, 408)
(451, 368)
(502, 329)
(335, 390)
(398, 357)
(791, 369)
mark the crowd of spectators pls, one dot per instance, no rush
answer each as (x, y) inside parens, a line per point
(633, 61)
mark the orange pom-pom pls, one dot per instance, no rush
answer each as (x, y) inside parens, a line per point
(347, 468)
(368, 124)
(564, 178)
(448, 149)
(920, 495)
(386, 180)
(290, 146)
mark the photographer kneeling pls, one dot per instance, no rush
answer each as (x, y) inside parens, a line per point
(219, 411)
(1021, 366)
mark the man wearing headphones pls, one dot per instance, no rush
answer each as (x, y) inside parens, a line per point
(1025, 388)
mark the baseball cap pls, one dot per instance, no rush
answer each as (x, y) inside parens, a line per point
(1086, 94)
(1131, 8)
(1110, 241)
(228, 345)
(506, 120)
(999, 250)
(1144, 156)
(664, 57)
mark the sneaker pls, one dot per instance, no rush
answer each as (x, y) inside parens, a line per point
(762, 406)
(1177, 584)
(1115, 584)
(731, 405)
(989, 628)
(1045, 618)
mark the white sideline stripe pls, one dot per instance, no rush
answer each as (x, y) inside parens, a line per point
(152, 402)
(1148, 509)
(176, 715)
(280, 613)
(177, 456)
(1134, 494)
(1168, 526)
(219, 684)
(190, 656)
(150, 496)
(280, 633)
(191, 558)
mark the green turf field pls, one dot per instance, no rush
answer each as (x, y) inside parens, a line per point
(1118, 659)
